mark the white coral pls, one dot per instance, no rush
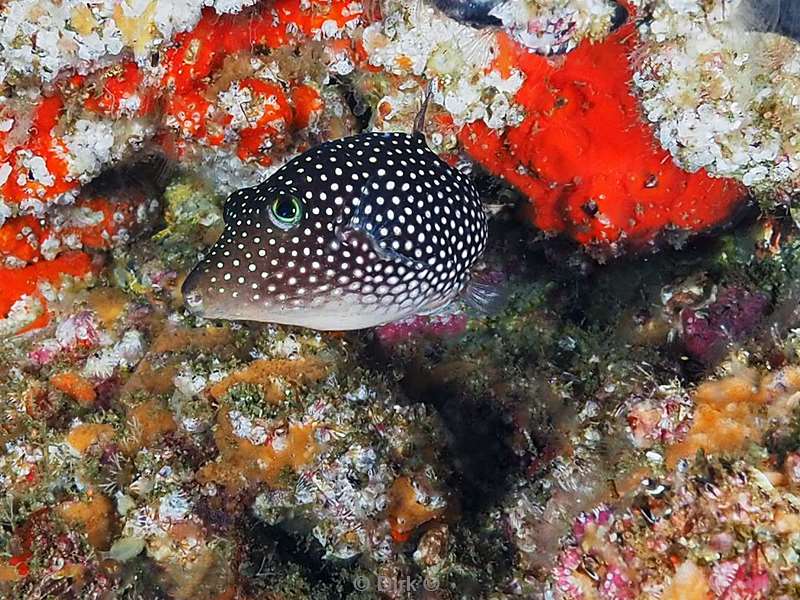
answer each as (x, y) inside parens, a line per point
(721, 98)
(41, 38)
(415, 40)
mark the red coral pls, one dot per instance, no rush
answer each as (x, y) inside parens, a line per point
(307, 105)
(41, 142)
(270, 125)
(186, 93)
(25, 281)
(198, 56)
(583, 156)
(21, 238)
(122, 90)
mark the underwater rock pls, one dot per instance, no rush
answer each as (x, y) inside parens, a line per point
(707, 524)
(294, 433)
(229, 96)
(41, 255)
(41, 39)
(548, 450)
(211, 97)
(738, 410)
(707, 529)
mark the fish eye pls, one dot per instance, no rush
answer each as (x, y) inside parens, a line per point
(286, 212)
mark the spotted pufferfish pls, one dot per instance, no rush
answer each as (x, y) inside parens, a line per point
(353, 233)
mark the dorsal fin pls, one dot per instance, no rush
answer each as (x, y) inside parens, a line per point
(419, 120)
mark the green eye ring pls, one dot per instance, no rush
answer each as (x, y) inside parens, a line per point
(286, 212)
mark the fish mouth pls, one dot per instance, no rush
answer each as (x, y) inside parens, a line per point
(192, 298)
(202, 302)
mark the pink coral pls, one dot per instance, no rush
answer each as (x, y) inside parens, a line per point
(734, 314)
(77, 332)
(422, 326)
(659, 420)
(745, 578)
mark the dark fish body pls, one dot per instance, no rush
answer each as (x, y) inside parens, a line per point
(789, 21)
(773, 16)
(481, 14)
(351, 234)
(475, 13)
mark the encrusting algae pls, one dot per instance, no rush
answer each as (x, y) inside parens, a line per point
(248, 457)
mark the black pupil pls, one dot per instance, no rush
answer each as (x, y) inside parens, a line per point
(286, 209)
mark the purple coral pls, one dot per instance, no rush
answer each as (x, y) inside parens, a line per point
(731, 317)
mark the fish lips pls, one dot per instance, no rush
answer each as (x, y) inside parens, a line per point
(190, 292)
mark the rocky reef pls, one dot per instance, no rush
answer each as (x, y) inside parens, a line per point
(626, 426)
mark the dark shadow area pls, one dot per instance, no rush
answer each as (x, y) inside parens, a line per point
(275, 553)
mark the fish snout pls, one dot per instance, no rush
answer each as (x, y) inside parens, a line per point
(192, 296)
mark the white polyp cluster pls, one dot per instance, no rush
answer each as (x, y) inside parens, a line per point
(719, 97)
(414, 39)
(39, 38)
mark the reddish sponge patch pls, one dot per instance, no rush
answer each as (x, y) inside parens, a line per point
(120, 89)
(23, 238)
(21, 182)
(589, 165)
(275, 113)
(25, 281)
(196, 65)
(94, 223)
